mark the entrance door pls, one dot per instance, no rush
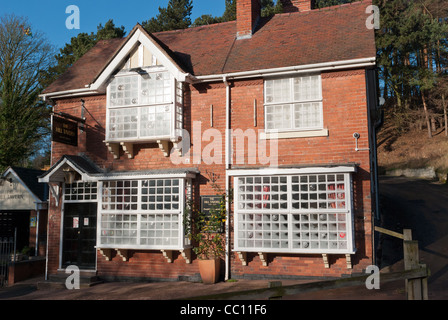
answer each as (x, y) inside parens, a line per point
(79, 238)
(12, 220)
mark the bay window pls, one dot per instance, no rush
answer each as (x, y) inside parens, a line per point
(293, 103)
(142, 214)
(294, 213)
(143, 106)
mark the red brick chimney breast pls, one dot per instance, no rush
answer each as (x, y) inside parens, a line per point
(296, 5)
(247, 14)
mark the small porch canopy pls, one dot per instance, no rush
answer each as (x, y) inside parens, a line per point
(78, 168)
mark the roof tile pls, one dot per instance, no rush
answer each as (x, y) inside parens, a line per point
(292, 39)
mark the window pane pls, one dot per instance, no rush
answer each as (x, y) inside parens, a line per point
(153, 93)
(283, 110)
(278, 90)
(80, 191)
(156, 88)
(159, 230)
(124, 91)
(318, 192)
(278, 117)
(265, 231)
(120, 195)
(119, 229)
(269, 193)
(308, 115)
(123, 123)
(306, 88)
(155, 121)
(160, 194)
(297, 213)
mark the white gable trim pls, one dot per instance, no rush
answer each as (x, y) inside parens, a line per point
(48, 178)
(99, 85)
(12, 172)
(138, 38)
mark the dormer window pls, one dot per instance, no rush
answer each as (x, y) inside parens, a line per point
(143, 106)
(140, 107)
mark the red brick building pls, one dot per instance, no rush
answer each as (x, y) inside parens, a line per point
(280, 110)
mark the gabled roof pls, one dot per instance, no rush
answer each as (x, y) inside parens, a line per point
(82, 165)
(291, 39)
(328, 35)
(29, 179)
(86, 68)
(90, 172)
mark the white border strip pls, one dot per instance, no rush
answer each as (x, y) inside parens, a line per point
(278, 171)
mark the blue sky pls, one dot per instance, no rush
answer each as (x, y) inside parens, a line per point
(48, 16)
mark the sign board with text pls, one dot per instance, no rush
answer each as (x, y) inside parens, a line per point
(65, 131)
(14, 196)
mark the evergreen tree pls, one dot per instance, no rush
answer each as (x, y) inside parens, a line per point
(328, 3)
(77, 47)
(268, 8)
(407, 44)
(175, 16)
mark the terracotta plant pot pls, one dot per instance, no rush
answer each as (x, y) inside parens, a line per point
(209, 270)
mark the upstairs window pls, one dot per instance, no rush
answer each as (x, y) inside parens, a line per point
(141, 106)
(294, 103)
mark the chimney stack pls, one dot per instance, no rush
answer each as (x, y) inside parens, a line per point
(297, 5)
(248, 13)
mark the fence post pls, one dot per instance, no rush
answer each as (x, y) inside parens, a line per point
(416, 289)
(15, 242)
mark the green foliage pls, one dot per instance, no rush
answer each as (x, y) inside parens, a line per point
(268, 8)
(207, 231)
(175, 16)
(411, 54)
(24, 57)
(208, 236)
(328, 3)
(77, 47)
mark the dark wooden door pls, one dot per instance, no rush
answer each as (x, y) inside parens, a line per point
(79, 237)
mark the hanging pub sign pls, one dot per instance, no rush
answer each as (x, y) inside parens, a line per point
(65, 131)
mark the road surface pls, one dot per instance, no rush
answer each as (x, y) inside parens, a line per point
(422, 206)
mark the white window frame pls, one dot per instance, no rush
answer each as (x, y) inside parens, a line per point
(175, 104)
(182, 240)
(291, 103)
(288, 241)
(80, 185)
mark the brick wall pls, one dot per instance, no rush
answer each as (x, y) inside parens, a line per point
(345, 112)
(248, 12)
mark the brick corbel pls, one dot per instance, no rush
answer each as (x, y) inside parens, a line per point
(128, 149)
(106, 253)
(113, 148)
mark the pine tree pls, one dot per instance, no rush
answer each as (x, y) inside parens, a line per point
(406, 45)
(77, 47)
(268, 8)
(177, 15)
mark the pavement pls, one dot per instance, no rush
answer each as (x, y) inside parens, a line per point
(417, 204)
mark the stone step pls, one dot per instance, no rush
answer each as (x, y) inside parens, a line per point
(86, 279)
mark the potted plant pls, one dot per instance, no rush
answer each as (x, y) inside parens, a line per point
(209, 240)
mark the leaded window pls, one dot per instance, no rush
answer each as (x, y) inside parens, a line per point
(309, 213)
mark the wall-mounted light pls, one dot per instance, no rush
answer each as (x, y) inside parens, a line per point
(356, 135)
(71, 176)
